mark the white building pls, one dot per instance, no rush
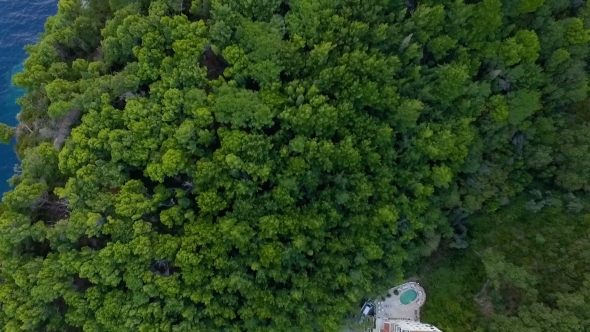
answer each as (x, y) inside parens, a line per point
(406, 326)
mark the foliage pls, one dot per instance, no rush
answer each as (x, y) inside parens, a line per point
(451, 279)
(524, 271)
(6, 133)
(265, 165)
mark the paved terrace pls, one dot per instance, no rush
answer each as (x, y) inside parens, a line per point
(392, 307)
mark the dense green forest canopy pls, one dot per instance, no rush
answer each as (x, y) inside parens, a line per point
(231, 165)
(526, 270)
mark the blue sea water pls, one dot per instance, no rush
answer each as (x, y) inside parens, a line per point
(21, 22)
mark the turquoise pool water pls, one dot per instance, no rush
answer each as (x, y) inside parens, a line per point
(408, 296)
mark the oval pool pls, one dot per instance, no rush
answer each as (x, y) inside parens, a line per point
(408, 296)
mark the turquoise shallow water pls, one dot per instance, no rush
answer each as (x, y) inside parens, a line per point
(21, 22)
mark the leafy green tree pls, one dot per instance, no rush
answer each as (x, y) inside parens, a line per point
(521, 105)
(6, 133)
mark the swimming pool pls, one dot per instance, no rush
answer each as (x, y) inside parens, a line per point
(408, 296)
